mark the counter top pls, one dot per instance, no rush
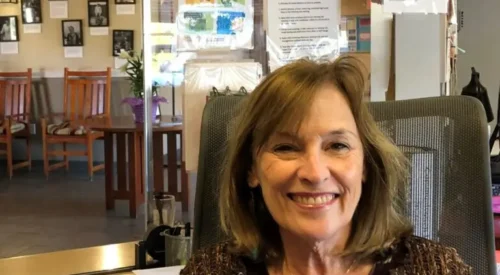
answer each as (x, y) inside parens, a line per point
(93, 260)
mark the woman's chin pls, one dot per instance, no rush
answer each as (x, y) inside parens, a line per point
(317, 230)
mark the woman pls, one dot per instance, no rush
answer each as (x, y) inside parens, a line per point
(312, 186)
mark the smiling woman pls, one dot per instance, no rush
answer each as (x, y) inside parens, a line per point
(312, 186)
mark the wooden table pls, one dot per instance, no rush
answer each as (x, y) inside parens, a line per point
(129, 146)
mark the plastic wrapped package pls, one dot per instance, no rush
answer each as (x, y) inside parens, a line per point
(215, 25)
(199, 79)
(302, 29)
(416, 6)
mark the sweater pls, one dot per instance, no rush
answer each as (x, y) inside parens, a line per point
(409, 255)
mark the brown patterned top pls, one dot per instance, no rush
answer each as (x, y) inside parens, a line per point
(412, 255)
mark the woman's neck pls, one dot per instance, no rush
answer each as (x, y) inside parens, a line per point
(312, 257)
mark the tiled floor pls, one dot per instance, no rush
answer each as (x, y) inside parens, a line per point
(64, 212)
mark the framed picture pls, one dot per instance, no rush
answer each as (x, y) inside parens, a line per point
(122, 2)
(31, 11)
(9, 31)
(8, 1)
(72, 33)
(98, 13)
(122, 40)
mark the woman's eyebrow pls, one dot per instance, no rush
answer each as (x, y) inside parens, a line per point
(342, 132)
(336, 132)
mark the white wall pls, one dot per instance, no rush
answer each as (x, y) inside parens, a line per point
(419, 55)
(380, 52)
(481, 41)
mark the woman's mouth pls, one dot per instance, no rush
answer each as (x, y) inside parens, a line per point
(313, 200)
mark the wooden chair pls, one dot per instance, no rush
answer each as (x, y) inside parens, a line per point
(87, 95)
(15, 105)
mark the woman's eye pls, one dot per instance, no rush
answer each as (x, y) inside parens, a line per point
(281, 148)
(339, 146)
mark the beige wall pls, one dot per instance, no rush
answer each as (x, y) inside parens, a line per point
(44, 51)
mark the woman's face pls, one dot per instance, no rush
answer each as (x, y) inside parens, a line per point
(311, 181)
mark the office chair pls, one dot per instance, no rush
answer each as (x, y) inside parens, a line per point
(446, 142)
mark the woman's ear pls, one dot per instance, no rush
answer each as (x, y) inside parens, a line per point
(253, 181)
(365, 172)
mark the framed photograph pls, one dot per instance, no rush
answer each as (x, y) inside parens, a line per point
(72, 33)
(9, 31)
(122, 40)
(98, 13)
(31, 11)
(124, 2)
(8, 1)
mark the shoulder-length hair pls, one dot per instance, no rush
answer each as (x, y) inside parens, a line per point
(279, 103)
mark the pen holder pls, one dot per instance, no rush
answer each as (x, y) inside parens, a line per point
(177, 249)
(162, 209)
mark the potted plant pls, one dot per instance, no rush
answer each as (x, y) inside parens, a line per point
(134, 68)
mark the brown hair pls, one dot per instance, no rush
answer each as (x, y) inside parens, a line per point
(279, 103)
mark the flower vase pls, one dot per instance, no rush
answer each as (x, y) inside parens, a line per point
(137, 105)
(138, 111)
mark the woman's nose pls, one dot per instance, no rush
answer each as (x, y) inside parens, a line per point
(313, 168)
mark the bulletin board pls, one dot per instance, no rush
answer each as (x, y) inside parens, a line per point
(355, 33)
(44, 51)
(215, 25)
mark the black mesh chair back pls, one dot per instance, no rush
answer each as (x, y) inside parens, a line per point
(449, 198)
(215, 124)
(449, 192)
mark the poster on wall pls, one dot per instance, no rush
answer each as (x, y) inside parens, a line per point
(298, 29)
(31, 11)
(58, 9)
(415, 6)
(167, 63)
(9, 30)
(355, 34)
(215, 24)
(72, 33)
(98, 13)
(123, 40)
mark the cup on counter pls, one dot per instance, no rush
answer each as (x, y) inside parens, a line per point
(162, 209)
(177, 249)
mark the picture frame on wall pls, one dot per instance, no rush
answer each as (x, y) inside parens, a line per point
(98, 11)
(9, 30)
(31, 11)
(9, 1)
(124, 2)
(72, 33)
(122, 40)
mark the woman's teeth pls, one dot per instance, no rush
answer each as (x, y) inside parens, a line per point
(316, 200)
